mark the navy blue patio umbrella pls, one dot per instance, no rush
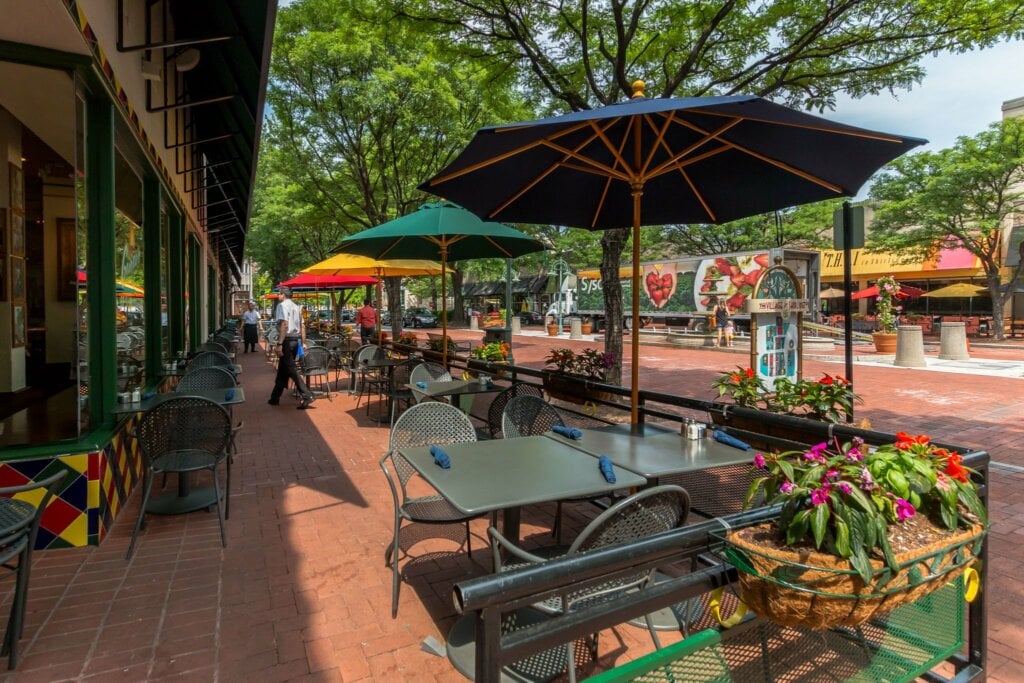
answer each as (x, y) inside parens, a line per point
(657, 161)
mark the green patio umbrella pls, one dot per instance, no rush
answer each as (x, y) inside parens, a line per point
(440, 231)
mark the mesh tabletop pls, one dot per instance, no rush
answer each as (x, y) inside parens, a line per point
(216, 395)
(657, 454)
(508, 473)
(456, 387)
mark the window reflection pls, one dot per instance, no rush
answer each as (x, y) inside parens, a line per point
(129, 278)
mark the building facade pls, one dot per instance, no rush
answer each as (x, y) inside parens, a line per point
(129, 132)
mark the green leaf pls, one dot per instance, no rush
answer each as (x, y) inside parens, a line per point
(859, 561)
(752, 491)
(787, 469)
(858, 497)
(898, 482)
(819, 523)
(842, 537)
(883, 543)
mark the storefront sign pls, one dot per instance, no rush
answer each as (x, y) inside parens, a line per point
(778, 306)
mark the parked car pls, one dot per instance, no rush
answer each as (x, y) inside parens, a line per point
(324, 316)
(347, 315)
(531, 318)
(385, 318)
(419, 317)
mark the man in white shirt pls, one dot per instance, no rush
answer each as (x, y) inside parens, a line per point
(291, 331)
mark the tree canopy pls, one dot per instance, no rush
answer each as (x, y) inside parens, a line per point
(957, 197)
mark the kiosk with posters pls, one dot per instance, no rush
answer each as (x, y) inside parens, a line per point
(776, 316)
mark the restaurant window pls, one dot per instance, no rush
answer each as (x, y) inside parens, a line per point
(165, 289)
(129, 277)
(43, 346)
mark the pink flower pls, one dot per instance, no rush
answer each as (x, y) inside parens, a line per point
(845, 488)
(857, 442)
(832, 475)
(854, 455)
(867, 482)
(817, 452)
(820, 496)
(787, 487)
(759, 461)
(904, 510)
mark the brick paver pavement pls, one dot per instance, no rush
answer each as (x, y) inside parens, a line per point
(301, 591)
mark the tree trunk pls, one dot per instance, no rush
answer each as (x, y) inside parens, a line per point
(459, 314)
(433, 296)
(612, 243)
(393, 291)
(998, 304)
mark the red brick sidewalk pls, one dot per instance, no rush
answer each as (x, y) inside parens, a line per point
(301, 591)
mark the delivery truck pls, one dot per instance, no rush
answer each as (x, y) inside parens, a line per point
(681, 292)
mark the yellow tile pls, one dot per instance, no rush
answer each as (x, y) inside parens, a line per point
(79, 463)
(35, 496)
(77, 533)
(93, 494)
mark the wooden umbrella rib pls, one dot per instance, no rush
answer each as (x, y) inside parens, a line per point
(765, 158)
(506, 155)
(391, 246)
(539, 178)
(596, 165)
(500, 248)
(659, 141)
(608, 181)
(681, 156)
(882, 137)
(698, 195)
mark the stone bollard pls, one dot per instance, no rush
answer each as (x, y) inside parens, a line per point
(474, 322)
(953, 342)
(909, 347)
(575, 328)
(517, 325)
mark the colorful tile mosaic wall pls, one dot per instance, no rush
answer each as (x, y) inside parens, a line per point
(92, 494)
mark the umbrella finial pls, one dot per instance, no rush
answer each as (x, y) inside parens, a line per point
(638, 88)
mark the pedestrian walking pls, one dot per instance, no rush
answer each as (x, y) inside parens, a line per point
(250, 328)
(721, 313)
(366, 321)
(291, 332)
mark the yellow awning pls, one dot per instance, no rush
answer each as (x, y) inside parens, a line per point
(351, 264)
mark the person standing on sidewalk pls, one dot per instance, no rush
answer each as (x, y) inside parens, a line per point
(366, 320)
(291, 330)
(250, 328)
(721, 313)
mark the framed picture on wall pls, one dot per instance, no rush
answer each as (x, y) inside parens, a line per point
(17, 188)
(67, 261)
(17, 279)
(18, 325)
(17, 234)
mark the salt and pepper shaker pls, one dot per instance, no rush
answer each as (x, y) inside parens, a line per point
(136, 396)
(693, 429)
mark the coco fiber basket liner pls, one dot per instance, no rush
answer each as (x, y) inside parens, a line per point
(818, 590)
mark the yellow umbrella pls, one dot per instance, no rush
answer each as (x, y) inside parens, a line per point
(353, 264)
(958, 290)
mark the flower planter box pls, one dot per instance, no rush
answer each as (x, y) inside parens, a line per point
(803, 587)
(496, 370)
(572, 389)
(755, 426)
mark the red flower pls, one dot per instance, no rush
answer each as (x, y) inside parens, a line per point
(954, 470)
(736, 378)
(750, 373)
(826, 380)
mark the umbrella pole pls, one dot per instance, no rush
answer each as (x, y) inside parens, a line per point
(444, 310)
(634, 371)
(380, 314)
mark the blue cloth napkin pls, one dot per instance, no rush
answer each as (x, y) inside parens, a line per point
(729, 440)
(604, 464)
(148, 395)
(421, 385)
(568, 432)
(440, 457)
(229, 394)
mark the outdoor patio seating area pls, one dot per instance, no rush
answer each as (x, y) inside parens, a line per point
(302, 589)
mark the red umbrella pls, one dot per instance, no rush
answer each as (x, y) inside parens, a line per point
(906, 292)
(307, 281)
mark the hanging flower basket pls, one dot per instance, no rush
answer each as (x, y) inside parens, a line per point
(804, 587)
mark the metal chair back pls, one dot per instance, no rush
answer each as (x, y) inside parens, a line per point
(208, 359)
(528, 416)
(427, 424)
(184, 423)
(213, 345)
(430, 372)
(206, 378)
(496, 410)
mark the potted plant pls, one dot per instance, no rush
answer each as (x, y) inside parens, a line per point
(552, 327)
(586, 326)
(490, 358)
(435, 347)
(887, 312)
(568, 373)
(407, 339)
(862, 530)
